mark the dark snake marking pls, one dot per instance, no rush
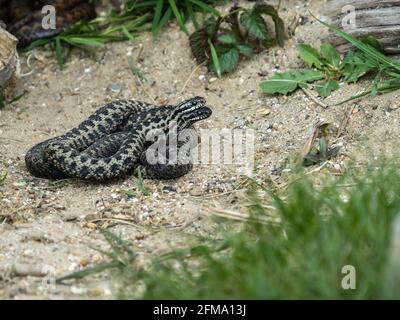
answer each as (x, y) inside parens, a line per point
(112, 142)
(24, 18)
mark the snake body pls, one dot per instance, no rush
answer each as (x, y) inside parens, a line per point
(114, 141)
(24, 17)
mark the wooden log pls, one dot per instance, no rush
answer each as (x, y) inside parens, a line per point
(9, 61)
(378, 18)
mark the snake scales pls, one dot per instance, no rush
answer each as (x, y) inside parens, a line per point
(114, 141)
(24, 17)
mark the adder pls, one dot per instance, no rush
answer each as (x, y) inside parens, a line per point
(114, 141)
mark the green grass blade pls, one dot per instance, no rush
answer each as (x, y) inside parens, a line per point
(3, 178)
(157, 14)
(205, 7)
(192, 15)
(36, 44)
(89, 271)
(178, 15)
(127, 33)
(167, 15)
(140, 184)
(215, 59)
(370, 51)
(59, 53)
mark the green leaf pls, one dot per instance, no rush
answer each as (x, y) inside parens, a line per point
(228, 38)
(330, 54)
(198, 45)
(229, 60)
(355, 65)
(325, 88)
(198, 40)
(309, 55)
(254, 24)
(278, 22)
(245, 50)
(211, 26)
(287, 82)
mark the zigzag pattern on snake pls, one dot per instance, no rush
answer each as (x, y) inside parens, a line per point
(114, 141)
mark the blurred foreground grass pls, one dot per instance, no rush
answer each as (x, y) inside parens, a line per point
(318, 229)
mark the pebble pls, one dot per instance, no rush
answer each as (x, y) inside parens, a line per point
(78, 290)
(168, 189)
(57, 97)
(114, 88)
(213, 79)
(69, 216)
(36, 235)
(337, 167)
(264, 111)
(202, 77)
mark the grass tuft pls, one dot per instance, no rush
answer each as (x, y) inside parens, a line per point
(323, 228)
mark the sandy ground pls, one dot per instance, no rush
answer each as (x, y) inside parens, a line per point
(50, 227)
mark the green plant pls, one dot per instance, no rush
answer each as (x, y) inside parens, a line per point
(120, 255)
(4, 101)
(97, 32)
(137, 16)
(294, 245)
(223, 41)
(163, 10)
(140, 184)
(330, 67)
(323, 153)
(3, 178)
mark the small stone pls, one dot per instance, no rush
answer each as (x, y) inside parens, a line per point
(202, 77)
(90, 225)
(213, 79)
(36, 235)
(303, 20)
(264, 111)
(117, 210)
(114, 88)
(168, 189)
(57, 97)
(84, 262)
(28, 253)
(78, 290)
(69, 216)
(337, 167)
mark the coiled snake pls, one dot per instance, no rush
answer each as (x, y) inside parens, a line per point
(115, 141)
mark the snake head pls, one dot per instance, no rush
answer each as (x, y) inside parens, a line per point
(190, 111)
